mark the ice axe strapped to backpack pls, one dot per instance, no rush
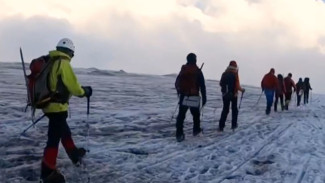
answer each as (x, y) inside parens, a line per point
(39, 94)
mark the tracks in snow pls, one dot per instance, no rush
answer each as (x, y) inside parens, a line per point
(268, 142)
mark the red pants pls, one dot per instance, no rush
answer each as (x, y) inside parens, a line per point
(58, 130)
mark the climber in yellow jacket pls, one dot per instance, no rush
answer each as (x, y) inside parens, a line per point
(64, 83)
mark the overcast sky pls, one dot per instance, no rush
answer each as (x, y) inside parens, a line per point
(154, 36)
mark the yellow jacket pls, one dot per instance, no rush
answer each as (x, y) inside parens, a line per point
(62, 68)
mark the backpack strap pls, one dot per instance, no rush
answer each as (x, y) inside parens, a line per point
(61, 94)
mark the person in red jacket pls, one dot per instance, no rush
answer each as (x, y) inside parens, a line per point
(289, 84)
(269, 85)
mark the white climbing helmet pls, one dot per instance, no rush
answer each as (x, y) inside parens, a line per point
(66, 43)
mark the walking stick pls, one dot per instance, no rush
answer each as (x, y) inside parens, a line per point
(201, 111)
(88, 104)
(87, 138)
(34, 123)
(258, 100)
(311, 96)
(173, 114)
(241, 98)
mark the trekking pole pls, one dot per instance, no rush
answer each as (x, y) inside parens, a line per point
(87, 138)
(295, 102)
(258, 100)
(173, 114)
(201, 111)
(241, 98)
(215, 110)
(87, 124)
(88, 104)
(311, 96)
(34, 123)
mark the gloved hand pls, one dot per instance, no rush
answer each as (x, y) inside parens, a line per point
(88, 91)
(243, 90)
(204, 101)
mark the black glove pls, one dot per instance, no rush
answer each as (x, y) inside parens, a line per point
(88, 91)
(204, 101)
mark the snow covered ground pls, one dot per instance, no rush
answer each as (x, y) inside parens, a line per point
(132, 137)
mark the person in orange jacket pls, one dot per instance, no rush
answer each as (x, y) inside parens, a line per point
(269, 85)
(230, 86)
(289, 84)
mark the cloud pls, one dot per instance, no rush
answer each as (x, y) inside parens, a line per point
(155, 36)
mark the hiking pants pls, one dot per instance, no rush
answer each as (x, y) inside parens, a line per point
(298, 99)
(277, 96)
(195, 111)
(269, 99)
(287, 99)
(225, 111)
(58, 130)
(306, 97)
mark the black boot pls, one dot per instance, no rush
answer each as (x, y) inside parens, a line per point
(76, 155)
(197, 131)
(268, 110)
(234, 126)
(180, 135)
(49, 175)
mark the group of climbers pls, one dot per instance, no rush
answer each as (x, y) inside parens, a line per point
(283, 87)
(190, 82)
(191, 89)
(303, 88)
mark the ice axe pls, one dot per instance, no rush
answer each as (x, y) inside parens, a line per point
(202, 66)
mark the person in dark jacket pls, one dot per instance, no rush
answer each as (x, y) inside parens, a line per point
(230, 86)
(189, 83)
(306, 87)
(269, 85)
(299, 90)
(289, 84)
(280, 91)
